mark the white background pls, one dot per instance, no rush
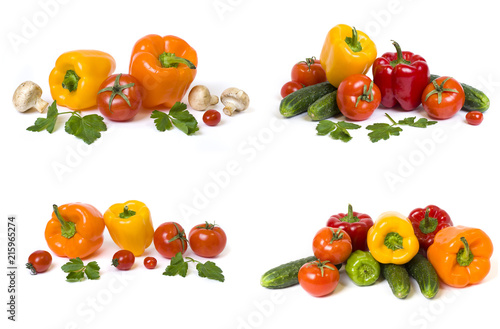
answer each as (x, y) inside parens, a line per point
(283, 181)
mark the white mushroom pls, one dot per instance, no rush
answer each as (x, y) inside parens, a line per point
(200, 99)
(27, 96)
(234, 99)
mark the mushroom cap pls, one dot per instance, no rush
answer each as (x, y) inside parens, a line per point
(199, 98)
(236, 98)
(26, 96)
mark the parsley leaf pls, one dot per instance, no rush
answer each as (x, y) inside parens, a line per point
(210, 271)
(382, 131)
(177, 266)
(87, 128)
(77, 270)
(420, 123)
(47, 123)
(178, 116)
(338, 131)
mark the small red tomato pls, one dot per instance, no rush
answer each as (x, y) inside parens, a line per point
(308, 72)
(333, 245)
(120, 97)
(211, 117)
(123, 260)
(39, 262)
(150, 262)
(474, 118)
(443, 98)
(358, 97)
(290, 87)
(169, 239)
(319, 278)
(207, 240)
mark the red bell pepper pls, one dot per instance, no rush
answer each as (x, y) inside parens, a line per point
(427, 222)
(401, 78)
(355, 224)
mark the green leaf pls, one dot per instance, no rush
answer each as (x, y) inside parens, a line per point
(87, 128)
(341, 134)
(420, 123)
(47, 123)
(162, 120)
(177, 266)
(347, 125)
(210, 271)
(324, 127)
(92, 271)
(75, 276)
(382, 131)
(74, 264)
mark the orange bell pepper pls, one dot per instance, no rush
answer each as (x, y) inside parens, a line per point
(75, 230)
(461, 255)
(166, 67)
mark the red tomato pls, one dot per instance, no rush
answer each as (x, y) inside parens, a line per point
(207, 240)
(333, 245)
(169, 239)
(443, 98)
(474, 118)
(120, 88)
(308, 72)
(150, 262)
(211, 117)
(358, 97)
(290, 87)
(319, 278)
(39, 261)
(123, 260)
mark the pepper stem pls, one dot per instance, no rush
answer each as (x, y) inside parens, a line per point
(168, 60)
(428, 224)
(70, 80)
(353, 41)
(393, 241)
(127, 213)
(464, 255)
(68, 229)
(400, 59)
(350, 218)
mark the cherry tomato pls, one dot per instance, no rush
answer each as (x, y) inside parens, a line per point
(120, 88)
(319, 278)
(207, 240)
(150, 262)
(123, 260)
(308, 72)
(211, 117)
(169, 239)
(39, 261)
(443, 98)
(333, 245)
(358, 97)
(290, 87)
(474, 118)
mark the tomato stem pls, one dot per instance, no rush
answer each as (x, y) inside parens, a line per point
(439, 89)
(366, 95)
(117, 89)
(180, 235)
(338, 235)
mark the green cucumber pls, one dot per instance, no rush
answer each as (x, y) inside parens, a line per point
(475, 99)
(286, 275)
(324, 108)
(299, 101)
(424, 273)
(398, 279)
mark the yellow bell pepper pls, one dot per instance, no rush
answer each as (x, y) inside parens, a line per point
(346, 51)
(76, 78)
(391, 239)
(130, 226)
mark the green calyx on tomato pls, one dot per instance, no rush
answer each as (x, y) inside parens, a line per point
(353, 41)
(323, 264)
(400, 59)
(393, 241)
(70, 81)
(349, 218)
(366, 95)
(127, 213)
(117, 89)
(439, 89)
(464, 255)
(336, 235)
(309, 61)
(428, 224)
(181, 236)
(168, 60)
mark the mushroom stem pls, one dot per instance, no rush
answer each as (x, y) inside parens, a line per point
(41, 105)
(229, 109)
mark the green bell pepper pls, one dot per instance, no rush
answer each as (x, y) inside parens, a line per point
(362, 268)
